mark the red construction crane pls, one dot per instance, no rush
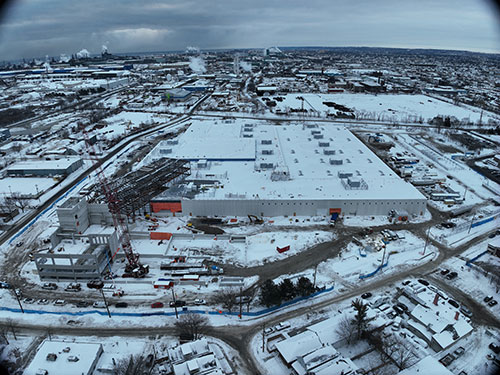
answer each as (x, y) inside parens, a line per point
(134, 268)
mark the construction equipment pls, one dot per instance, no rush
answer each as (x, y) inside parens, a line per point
(255, 219)
(134, 268)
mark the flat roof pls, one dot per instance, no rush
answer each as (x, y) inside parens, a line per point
(86, 353)
(249, 168)
(40, 164)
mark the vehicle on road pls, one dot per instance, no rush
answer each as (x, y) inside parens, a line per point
(366, 295)
(157, 305)
(121, 304)
(453, 303)
(177, 303)
(49, 286)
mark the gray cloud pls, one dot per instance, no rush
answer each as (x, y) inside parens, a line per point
(39, 27)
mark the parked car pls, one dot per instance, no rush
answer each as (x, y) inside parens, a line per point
(488, 299)
(398, 309)
(4, 285)
(199, 301)
(121, 304)
(494, 347)
(29, 300)
(157, 305)
(445, 271)
(243, 299)
(19, 244)
(453, 303)
(459, 351)
(464, 310)
(95, 284)
(366, 295)
(43, 301)
(99, 305)
(73, 287)
(49, 286)
(268, 330)
(118, 293)
(282, 325)
(406, 282)
(451, 275)
(82, 304)
(492, 303)
(177, 303)
(402, 306)
(59, 302)
(423, 282)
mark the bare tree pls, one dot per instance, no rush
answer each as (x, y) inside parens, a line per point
(346, 329)
(131, 365)
(3, 334)
(394, 349)
(192, 325)
(19, 201)
(13, 328)
(226, 297)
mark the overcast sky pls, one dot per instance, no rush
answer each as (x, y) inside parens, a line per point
(32, 28)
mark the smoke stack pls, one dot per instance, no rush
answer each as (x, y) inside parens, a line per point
(436, 298)
(457, 314)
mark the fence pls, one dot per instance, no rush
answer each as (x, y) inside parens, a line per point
(163, 313)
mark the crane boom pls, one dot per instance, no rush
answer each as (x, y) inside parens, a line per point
(134, 267)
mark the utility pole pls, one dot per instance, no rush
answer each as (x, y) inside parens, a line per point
(263, 342)
(105, 302)
(471, 222)
(241, 291)
(175, 303)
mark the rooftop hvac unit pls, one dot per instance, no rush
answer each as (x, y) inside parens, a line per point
(318, 136)
(336, 161)
(311, 126)
(324, 144)
(172, 142)
(266, 165)
(328, 151)
(266, 142)
(267, 152)
(354, 182)
(313, 132)
(165, 151)
(248, 129)
(247, 135)
(344, 174)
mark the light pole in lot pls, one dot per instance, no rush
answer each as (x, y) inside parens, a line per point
(175, 303)
(426, 240)
(18, 299)
(105, 302)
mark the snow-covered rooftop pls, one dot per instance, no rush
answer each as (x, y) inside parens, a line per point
(81, 358)
(264, 161)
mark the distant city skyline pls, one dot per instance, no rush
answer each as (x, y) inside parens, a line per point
(35, 28)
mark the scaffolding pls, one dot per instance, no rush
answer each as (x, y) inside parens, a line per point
(136, 189)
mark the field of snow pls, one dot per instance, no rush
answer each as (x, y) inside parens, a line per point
(384, 107)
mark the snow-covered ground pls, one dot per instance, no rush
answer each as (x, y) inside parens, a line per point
(384, 107)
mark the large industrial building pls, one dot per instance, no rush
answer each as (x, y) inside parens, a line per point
(61, 167)
(241, 168)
